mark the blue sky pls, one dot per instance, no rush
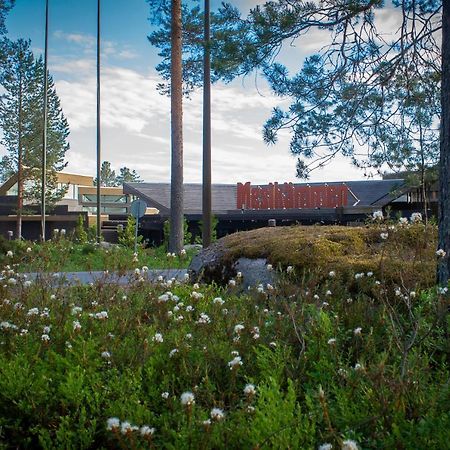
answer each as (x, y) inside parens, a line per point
(135, 118)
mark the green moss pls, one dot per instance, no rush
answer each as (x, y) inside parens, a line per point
(408, 253)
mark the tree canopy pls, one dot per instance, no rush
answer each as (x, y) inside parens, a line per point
(21, 121)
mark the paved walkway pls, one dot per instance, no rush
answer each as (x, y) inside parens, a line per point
(109, 277)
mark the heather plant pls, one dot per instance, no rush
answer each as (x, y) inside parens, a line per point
(349, 359)
(354, 361)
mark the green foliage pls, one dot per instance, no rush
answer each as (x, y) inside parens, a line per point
(317, 378)
(80, 235)
(109, 178)
(21, 121)
(126, 236)
(187, 239)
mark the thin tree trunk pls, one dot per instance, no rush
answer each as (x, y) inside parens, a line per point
(444, 167)
(176, 96)
(206, 197)
(19, 165)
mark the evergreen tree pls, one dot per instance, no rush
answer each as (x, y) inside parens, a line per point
(107, 175)
(21, 121)
(127, 176)
(5, 6)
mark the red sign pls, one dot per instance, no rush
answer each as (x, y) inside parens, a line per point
(289, 195)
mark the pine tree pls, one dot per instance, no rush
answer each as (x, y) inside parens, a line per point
(21, 120)
(107, 175)
(5, 6)
(127, 176)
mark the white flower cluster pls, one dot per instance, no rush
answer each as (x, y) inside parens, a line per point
(204, 318)
(416, 217)
(249, 390)
(377, 215)
(217, 414)
(187, 398)
(158, 338)
(218, 301)
(114, 424)
(235, 363)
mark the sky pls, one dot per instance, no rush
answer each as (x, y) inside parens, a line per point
(136, 118)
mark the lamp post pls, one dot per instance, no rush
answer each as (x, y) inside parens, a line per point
(206, 191)
(98, 127)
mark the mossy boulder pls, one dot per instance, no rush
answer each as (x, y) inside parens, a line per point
(407, 256)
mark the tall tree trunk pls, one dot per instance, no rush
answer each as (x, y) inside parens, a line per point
(176, 97)
(444, 167)
(19, 164)
(206, 197)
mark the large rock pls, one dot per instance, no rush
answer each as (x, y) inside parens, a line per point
(211, 264)
(216, 264)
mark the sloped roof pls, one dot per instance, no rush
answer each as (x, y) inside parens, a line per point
(158, 196)
(367, 192)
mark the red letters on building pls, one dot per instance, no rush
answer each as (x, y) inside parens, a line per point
(289, 195)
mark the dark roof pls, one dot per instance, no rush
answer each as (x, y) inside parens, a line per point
(158, 196)
(366, 192)
(376, 192)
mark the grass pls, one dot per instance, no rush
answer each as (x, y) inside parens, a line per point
(356, 361)
(64, 255)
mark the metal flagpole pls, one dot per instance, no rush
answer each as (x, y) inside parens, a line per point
(206, 202)
(98, 127)
(44, 132)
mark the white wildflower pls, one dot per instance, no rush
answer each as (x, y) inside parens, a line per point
(173, 352)
(331, 341)
(238, 328)
(289, 269)
(112, 423)
(165, 395)
(325, 447)
(349, 445)
(235, 362)
(45, 338)
(384, 236)
(187, 398)
(269, 267)
(76, 310)
(204, 318)
(163, 298)
(416, 217)
(47, 329)
(239, 275)
(196, 286)
(218, 301)
(250, 389)
(403, 221)
(102, 315)
(145, 431)
(440, 253)
(189, 308)
(377, 215)
(106, 355)
(76, 325)
(33, 312)
(217, 414)
(232, 283)
(9, 254)
(29, 250)
(158, 338)
(196, 295)
(357, 331)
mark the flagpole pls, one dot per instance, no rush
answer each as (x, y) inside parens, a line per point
(98, 127)
(44, 132)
